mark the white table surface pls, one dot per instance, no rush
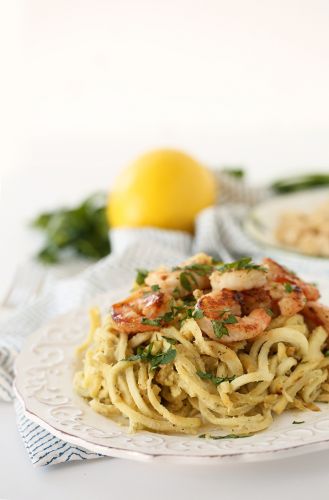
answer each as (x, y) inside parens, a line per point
(300, 477)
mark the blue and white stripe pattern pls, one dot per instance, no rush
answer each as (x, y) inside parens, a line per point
(44, 448)
(218, 232)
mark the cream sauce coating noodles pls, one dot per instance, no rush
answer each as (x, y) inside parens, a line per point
(203, 384)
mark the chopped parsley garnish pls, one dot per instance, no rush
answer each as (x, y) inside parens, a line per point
(200, 269)
(244, 263)
(299, 422)
(227, 436)
(155, 360)
(171, 341)
(219, 325)
(269, 312)
(152, 322)
(213, 379)
(288, 287)
(197, 314)
(326, 353)
(141, 275)
(155, 288)
(187, 280)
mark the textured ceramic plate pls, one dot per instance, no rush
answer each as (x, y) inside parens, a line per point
(262, 220)
(44, 372)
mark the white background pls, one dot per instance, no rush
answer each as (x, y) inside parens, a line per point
(86, 86)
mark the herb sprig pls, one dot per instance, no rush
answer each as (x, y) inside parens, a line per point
(141, 275)
(219, 325)
(244, 263)
(199, 269)
(212, 378)
(227, 436)
(155, 360)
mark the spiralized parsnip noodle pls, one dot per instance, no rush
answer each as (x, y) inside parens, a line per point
(281, 369)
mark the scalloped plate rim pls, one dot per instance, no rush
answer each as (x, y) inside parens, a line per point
(114, 452)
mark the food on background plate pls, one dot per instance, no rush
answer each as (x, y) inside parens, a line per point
(163, 188)
(207, 346)
(306, 232)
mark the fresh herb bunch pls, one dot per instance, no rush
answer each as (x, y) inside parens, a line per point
(82, 230)
(155, 360)
(236, 172)
(300, 183)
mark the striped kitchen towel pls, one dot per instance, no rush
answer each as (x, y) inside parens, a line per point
(219, 232)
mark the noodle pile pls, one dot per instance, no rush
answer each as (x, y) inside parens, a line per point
(178, 381)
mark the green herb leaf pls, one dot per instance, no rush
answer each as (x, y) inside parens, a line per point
(219, 328)
(230, 320)
(288, 287)
(244, 263)
(212, 378)
(155, 360)
(197, 314)
(299, 422)
(171, 341)
(82, 230)
(238, 173)
(326, 353)
(269, 312)
(227, 436)
(185, 282)
(163, 358)
(219, 324)
(200, 269)
(151, 322)
(155, 288)
(141, 275)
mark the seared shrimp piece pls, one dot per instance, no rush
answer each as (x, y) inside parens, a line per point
(279, 274)
(254, 299)
(215, 304)
(195, 272)
(318, 314)
(144, 303)
(289, 298)
(222, 309)
(238, 279)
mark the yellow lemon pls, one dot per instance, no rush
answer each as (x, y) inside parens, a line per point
(163, 188)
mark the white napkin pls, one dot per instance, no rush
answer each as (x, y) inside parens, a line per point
(218, 232)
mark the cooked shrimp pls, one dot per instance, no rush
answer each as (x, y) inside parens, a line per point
(289, 298)
(239, 279)
(215, 304)
(254, 299)
(222, 308)
(318, 314)
(279, 274)
(195, 276)
(144, 303)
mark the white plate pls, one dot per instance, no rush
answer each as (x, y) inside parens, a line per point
(44, 371)
(263, 219)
